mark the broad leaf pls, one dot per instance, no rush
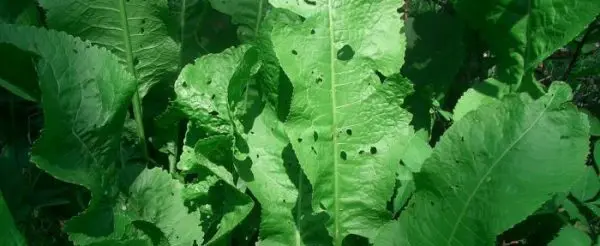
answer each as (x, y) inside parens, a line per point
(522, 33)
(214, 94)
(281, 188)
(134, 30)
(346, 126)
(68, 74)
(489, 161)
(148, 208)
(85, 94)
(9, 235)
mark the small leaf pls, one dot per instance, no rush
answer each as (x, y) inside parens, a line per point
(483, 93)
(9, 235)
(587, 186)
(571, 236)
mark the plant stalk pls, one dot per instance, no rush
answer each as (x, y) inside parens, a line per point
(136, 100)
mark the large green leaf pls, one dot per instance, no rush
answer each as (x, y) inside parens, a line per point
(214, 95)
(134, 30)
(70, 71)
(346, 126)
(496, 166)
(85, 94)
(9, 235)
(281, 188)
(522, 33)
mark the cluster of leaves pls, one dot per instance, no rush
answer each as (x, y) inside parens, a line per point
(299, 122)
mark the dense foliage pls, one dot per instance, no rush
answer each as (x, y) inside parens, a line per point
(299, 122)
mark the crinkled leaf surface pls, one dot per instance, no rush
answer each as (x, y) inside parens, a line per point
(134, 30)
(213, 94)
(88, 130)
(148, 209)
(571, 236)
(522, 33)
(85, 94)
(346, 127)
(9, 235)
(203, 89)
(281, 188)
(491, 160)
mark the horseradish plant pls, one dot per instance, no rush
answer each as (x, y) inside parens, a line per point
(325, 122)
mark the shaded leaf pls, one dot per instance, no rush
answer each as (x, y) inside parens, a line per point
(522, 33)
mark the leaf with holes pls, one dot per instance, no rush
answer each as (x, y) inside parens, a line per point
(489, 161)
(134, 30)
(347, 126)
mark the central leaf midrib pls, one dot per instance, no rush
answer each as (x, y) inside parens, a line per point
(127, 40)
(494, 164)
(332, 57)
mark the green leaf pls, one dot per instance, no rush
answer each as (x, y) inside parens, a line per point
(134, 30)
(587, 186)
(489, 91)
(435, 50)
(490, 160)
(10, 10)
(594, 122)
(206, 92)
(597, 153)
(228, 205)
(249, 14)
(571, 236)
(85, 94)
(9, 235)
(66, 76)
(281, 188)
(391, 234)
(213, 94)
(17, 72)
(189, 16)
(522, 33)
(347, 127)
(148, 207)
(415, 154)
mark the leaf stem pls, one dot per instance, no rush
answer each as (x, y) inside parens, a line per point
(136, 100)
